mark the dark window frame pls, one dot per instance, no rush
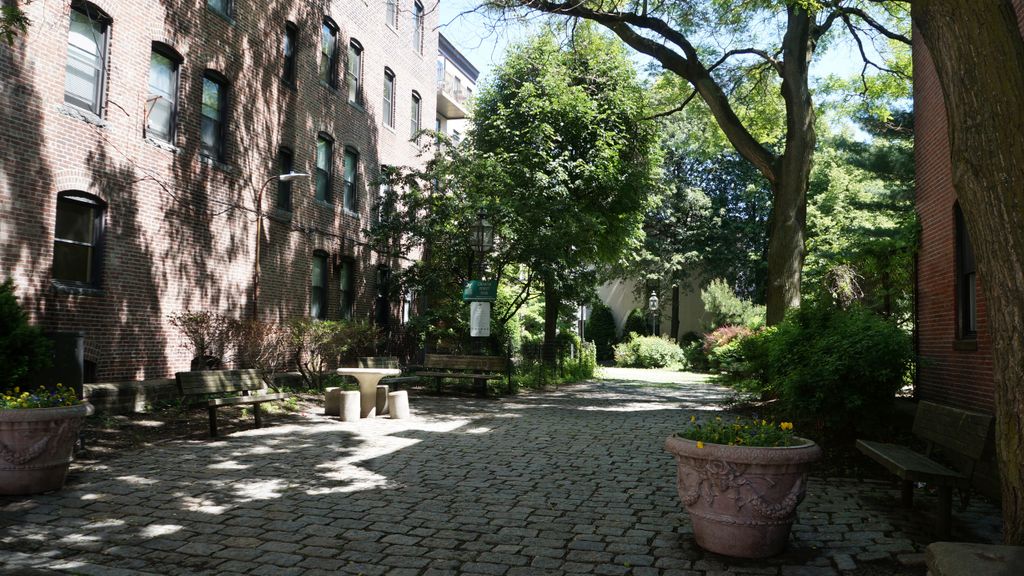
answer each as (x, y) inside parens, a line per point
(229, 9)
(346, 289)
(171, 54)
(290, 65)
(418, 17)
(332, 59)
(966, 280)
(416, 119)
(97, 245)
(220, 153)
(328, 196)
(94, 14)
(324, 300)
(388, 103)
(350, 188)
(285, 164)
(354, 78)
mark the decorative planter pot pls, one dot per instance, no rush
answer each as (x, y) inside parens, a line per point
(742, 500)
(35, 447)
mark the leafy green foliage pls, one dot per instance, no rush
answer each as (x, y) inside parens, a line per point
(837, 369)
(13, 21)
(600, 330)
(648, 352)
(322, 345)
(637, 322)
(23, 348)
(723, 307)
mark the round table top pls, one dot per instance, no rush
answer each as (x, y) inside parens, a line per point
(381, 371)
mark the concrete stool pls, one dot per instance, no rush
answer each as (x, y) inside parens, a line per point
(342, 403)
(382, 399)
(398, 404)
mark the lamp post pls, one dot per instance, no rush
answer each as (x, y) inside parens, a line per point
(652, 305)
(259, 233)
(481, 240)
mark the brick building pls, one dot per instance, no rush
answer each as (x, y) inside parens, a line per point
(138, 138)
(953, 343)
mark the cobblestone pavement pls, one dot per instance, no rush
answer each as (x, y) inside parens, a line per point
(573, 481)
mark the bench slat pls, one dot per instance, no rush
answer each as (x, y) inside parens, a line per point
(461, 375)
(219, 381)
(454, 362)
(953, 429)
(909, 465)
(248, 399)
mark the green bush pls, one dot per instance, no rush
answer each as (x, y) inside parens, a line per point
(837, 369)
(648, 352)
(600, 330)
(724, 307)
(638, 321)
(23, 348)
(323, 345)
(722, 347)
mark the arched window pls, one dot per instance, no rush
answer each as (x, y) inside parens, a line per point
(78, 239)
(324, 167)
(354, 72)
(162, 102)
(318, 289)
(86, 71)
(213, 129)
(416, 114)
(966, 280)
(329, 53)
(290, 47)
(285, 165)
(388, 106)
(351, 199)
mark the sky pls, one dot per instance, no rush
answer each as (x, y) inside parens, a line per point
(484, 44)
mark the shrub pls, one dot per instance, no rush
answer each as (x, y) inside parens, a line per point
(723, 335)
(838, 368)
(739, 432)
(648, 352)
(322, 345)
(208, 335)
(262, 345)
(600, 330)
(724, 307)
(23, 348)
(638, 321)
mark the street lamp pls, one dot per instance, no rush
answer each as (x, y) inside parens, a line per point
(289, 177)
(652, 305)
(481, 238)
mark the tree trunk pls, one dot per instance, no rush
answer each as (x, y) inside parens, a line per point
(789, 206)
(673, 329)
(978, 52)
(551, 305)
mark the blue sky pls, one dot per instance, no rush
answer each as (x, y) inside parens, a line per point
(484, 45)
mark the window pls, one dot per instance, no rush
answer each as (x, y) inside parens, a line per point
(346, 290)
(966, 280)
(417, 113)
(222, 7)
(77, 239)
(391, 13)
(87, 57)
(318, 290)
(355, 72)
(388, 109)
(351, 171)
(213, 127)
(162, 102)
(324, 168)
(417, 27)
(329, 53)
(285, 164)
(289, 48)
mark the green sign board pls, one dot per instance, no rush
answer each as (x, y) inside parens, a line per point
(480, 291)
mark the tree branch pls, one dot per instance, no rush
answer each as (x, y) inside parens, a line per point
(672, 111)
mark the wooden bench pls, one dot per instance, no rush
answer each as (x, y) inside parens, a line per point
(478, 368)
(206, 382)
(959, 435)
(387, 362)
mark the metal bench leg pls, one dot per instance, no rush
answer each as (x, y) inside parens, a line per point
(481, 387)
(908, 493)
(213, 420)
(256, 413)
(945, 511)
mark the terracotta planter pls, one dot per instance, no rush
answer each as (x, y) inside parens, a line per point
(35, 447)
(742, 500)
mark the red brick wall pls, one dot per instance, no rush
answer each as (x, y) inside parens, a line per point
(947, 372)
(180, 230)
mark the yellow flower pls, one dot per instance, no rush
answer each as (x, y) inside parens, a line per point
(693, 419)
(700, 444)
(786, 425)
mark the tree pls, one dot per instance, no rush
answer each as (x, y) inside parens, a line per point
(569, 157)
(13, 22)
(772, 40)
(978, 51)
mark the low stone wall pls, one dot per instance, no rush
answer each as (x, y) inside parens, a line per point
(141, 395)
